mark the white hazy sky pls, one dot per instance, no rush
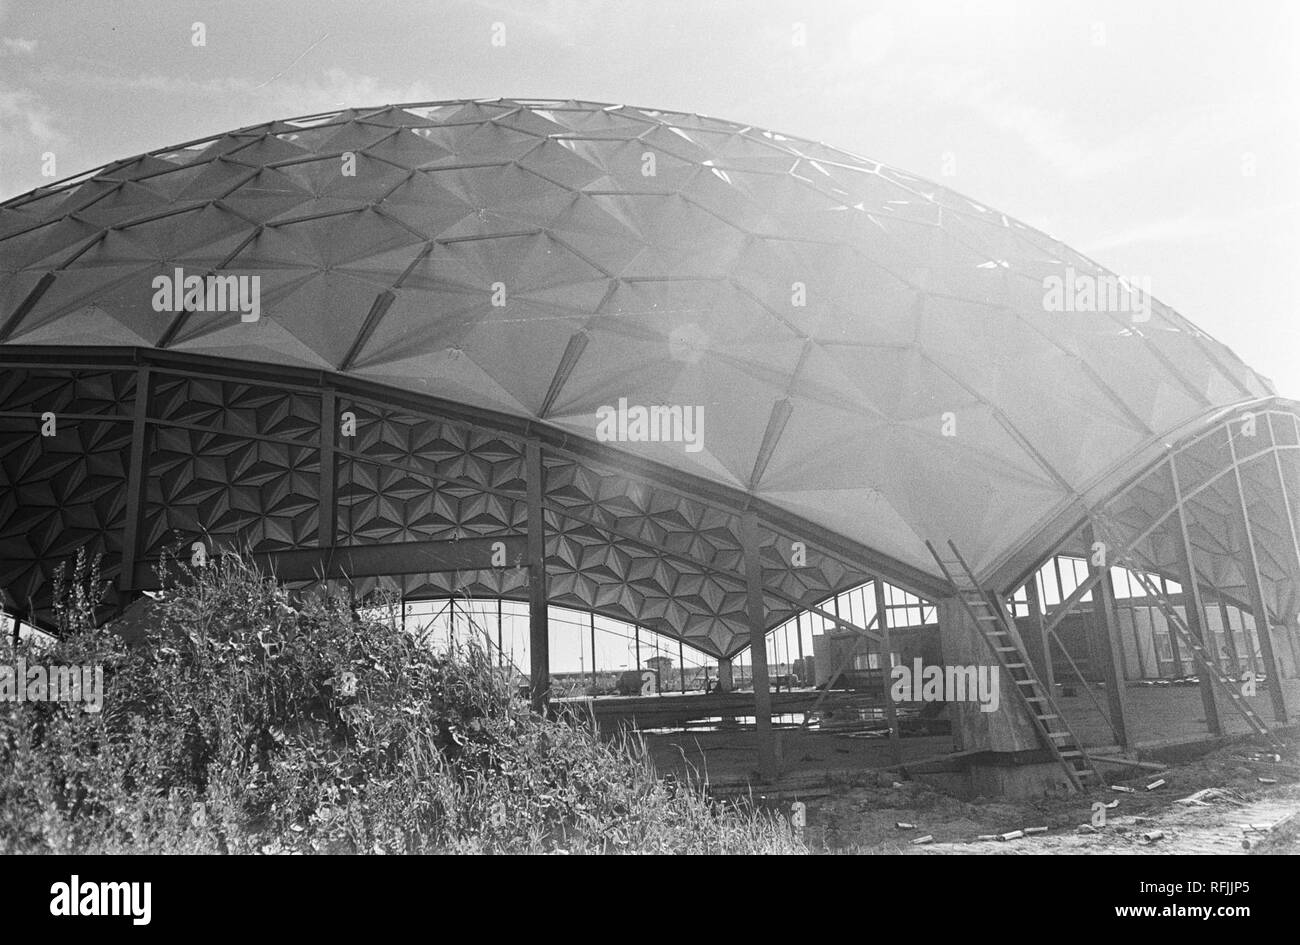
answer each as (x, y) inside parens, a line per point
(1160, 138)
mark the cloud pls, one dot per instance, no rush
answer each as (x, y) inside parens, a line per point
(29, 127)
(1187, 226)
(1184, 228)
(1048, 133)
(27, 130)
(21, 47)
(869, 72)
(560, 20)
(331, 88)
(22, 113)
(882, 61)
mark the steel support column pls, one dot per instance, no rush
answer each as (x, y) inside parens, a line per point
(756, 613)
(1255, 585)
(886, 665)
(1109, 649)
(135, 483)
(1230, 637)
(726, 678)
(539, 643)
(1293, 630)
(327, 524)
(1046, 671)
(592, 615)
(681, 666)
(1175, 650)
(1193, 606)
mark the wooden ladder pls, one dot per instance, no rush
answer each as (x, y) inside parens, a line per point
(1188, 639)
(990, 616)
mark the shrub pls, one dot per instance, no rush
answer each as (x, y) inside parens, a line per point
(248, 721)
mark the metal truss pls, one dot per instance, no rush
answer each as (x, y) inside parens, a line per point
(154, 450)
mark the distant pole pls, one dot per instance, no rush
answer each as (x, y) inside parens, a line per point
(593, 652)
(886, 663)
(539, 642)
(1255, 587)
(756, 617)
(681, 666)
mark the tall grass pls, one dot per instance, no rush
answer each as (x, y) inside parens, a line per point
(249, 721)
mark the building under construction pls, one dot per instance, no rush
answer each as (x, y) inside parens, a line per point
(784, 417)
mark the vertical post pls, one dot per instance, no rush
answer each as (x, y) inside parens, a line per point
(1174, 646)
(785, 636)
(886, 671)
(134, 482)
(681, 666)
(1295, 542)
(756, 614)
(539, 643)
(1143, 669)
(636, 633)
(1192, 604)
(327, 525)
(501, 659)
(1108, 645)
(1047, 672)
(725, 679)
(592, 615)
(1256, 588)
(1230, 637)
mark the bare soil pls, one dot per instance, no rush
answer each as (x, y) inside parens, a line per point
(1241, 813)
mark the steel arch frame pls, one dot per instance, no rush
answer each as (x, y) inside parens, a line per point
(622, 534)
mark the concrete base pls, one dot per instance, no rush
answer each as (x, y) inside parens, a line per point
(1019, 782)
(1010, 728)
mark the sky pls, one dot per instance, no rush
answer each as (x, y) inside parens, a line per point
(1159, 138)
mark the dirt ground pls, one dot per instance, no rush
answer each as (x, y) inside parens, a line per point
(1237, 813)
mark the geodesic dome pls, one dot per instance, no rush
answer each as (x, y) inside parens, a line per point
(870, 350)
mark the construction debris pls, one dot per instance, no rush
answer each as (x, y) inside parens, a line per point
(1147, 765)
(1202, 797)
(1013, 835)
(1159, 782)
(926, 839)
(1031, 830)
(905, 826)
